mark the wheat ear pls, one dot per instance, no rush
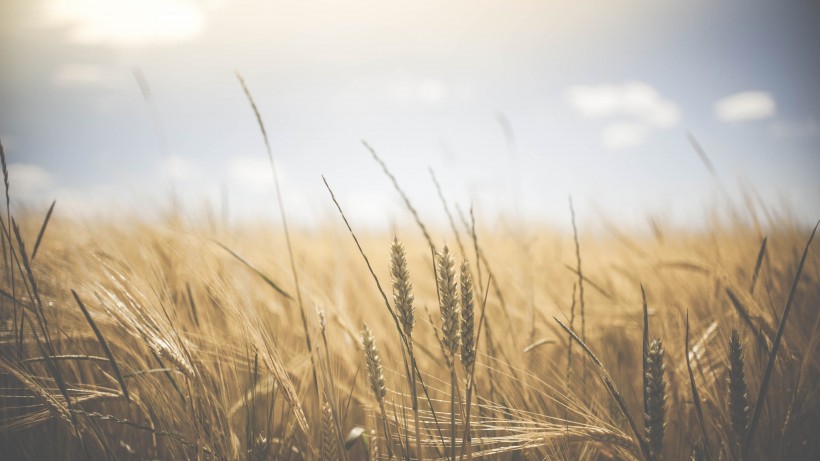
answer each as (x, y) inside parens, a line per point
(655, 396)
(467, 318)
(448, 299)
(402, 288)
(330, 443)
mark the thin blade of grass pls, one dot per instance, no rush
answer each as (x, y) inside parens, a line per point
(613, 391)
(695, 395)
(580, 273)
(759, 327)
(758, 264)
(401, 192)
(283, 217)
(644, 346)
(256, 270)
(395, 317)
(597, 287)
(447, 211)
(761, 396)
(42, 230)
(104, 345)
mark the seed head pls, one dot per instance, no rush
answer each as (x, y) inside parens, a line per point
(374, 364)
(655, 396)
(402, 288)
(448, 299)
(467, 317)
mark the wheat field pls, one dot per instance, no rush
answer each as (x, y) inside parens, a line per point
(178, 339)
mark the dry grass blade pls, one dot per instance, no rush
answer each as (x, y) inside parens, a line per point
(808, 357)
(42, 230)
(401, 192)
(758, 264)
(761, 397)
(580, 272)
(695, 395)
(597, 287)
(757, 325)
(256, 270)
(367, 262)
(5, 170)
(447, 212)
(58, 408)
(538, 344)
(613, 391)
(283, 217)
(702, 155)
(104, 345)
(644, 346)
(405, 340)
(738, 396)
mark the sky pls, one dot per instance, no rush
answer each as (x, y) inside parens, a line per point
(109, 106)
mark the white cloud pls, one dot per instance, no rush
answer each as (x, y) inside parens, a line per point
(177, 168)
(623, 135)
(746, 106)
(633, 99)
(638, 108)
(251, 172)
(126, 22)
(28, 180)
(81, 74)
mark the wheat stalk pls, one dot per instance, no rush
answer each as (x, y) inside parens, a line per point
(468, 342)
(448, 304)
(376, 377)
(403, 300)
(738, 394)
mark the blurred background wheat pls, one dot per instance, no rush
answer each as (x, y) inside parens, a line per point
(177, 340)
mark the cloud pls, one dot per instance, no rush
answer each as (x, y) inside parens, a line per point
(126, 22)
(81, 74)
(638, 107)
(28, 180)
(623, 135)
(746, 106)
(634, 99)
